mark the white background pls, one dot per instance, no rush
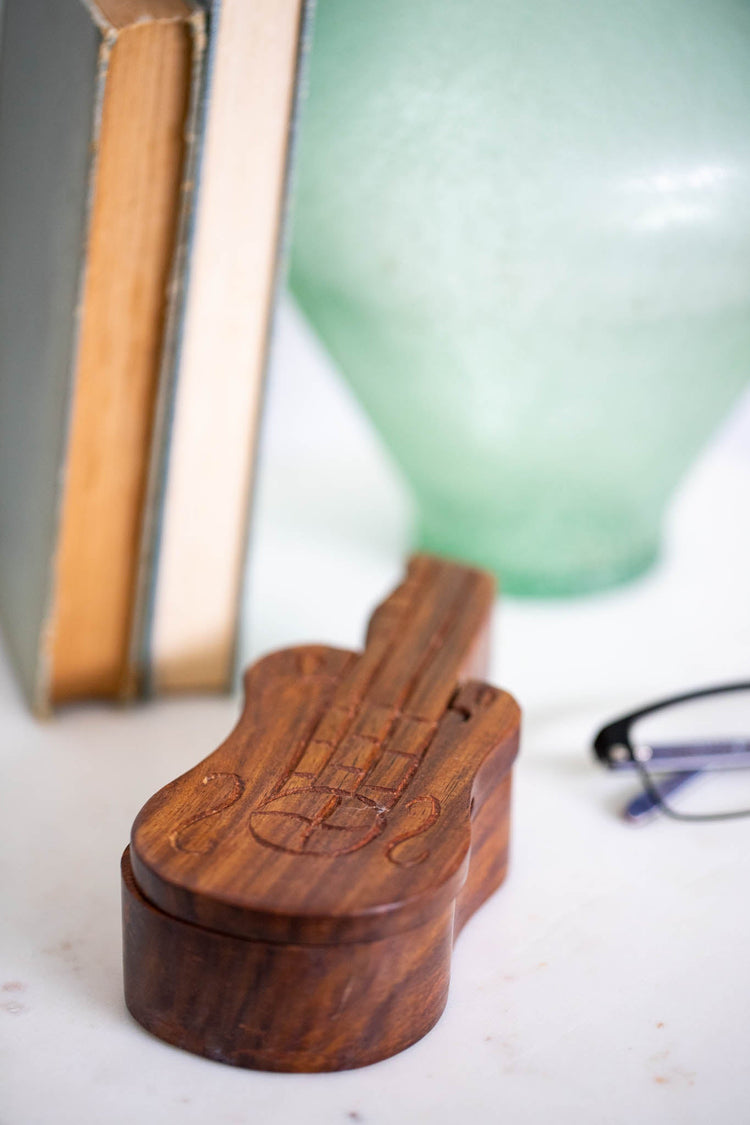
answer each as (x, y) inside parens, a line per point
(606, 982)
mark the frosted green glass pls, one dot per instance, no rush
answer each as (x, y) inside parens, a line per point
(522, 229)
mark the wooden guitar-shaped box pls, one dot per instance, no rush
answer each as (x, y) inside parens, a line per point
(291, 902)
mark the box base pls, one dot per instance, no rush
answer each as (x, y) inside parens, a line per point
(260, 1004)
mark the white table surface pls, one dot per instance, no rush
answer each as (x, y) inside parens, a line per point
(609, 979)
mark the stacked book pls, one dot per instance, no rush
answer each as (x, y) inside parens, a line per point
(144, 151)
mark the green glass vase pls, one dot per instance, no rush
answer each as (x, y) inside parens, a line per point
(522, 229)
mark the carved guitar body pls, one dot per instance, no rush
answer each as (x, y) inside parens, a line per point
(291, 902)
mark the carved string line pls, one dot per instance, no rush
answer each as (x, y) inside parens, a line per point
(309, 664)
(363, 826)
(483, 697)
(368, 830)
(404, 601)
(352, 777)
(410, 602)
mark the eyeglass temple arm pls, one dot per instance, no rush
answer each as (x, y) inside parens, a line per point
(683, 755)
(649, 802)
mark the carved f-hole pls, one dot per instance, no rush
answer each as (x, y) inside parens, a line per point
(224, 790)
(423, 812)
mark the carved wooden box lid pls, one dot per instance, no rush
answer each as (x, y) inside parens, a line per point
(339, 807)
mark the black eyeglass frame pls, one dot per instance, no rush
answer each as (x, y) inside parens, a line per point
(615, 749)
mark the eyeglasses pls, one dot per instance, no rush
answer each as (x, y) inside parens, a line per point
(691, 754)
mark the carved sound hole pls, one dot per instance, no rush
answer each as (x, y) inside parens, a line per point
(317, 821)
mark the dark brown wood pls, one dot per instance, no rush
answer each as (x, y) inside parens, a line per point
(291, 903)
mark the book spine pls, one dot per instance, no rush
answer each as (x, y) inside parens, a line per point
(200, 26)
(41, 702)
(52, 70)
(304, 46)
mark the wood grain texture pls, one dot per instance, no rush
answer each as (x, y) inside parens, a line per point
(291, 902)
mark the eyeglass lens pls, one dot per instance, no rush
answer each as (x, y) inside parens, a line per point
(710, 734)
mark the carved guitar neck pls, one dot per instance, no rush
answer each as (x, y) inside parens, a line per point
(353, 820)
